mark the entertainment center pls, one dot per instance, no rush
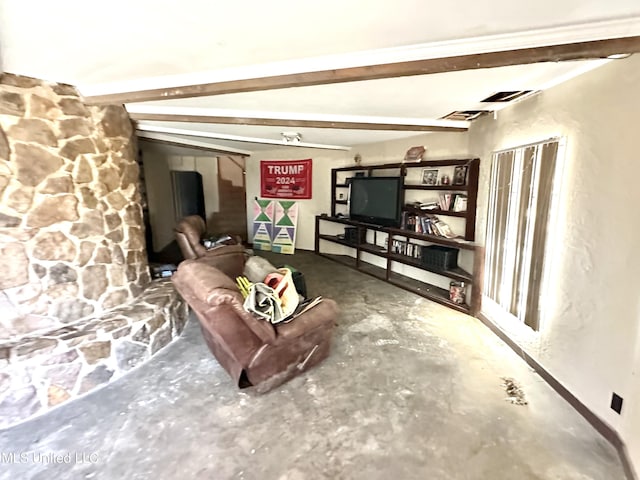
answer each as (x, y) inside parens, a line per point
(382, 224)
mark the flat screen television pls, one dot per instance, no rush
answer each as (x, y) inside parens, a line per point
(376, 200)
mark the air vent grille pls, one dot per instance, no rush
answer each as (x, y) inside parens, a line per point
(506, 96)
(466, 115)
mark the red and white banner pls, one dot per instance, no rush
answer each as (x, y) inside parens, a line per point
(285, 179)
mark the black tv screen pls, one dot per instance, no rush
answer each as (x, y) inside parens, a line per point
(376, 200)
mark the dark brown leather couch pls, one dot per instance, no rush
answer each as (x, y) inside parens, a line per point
(190, 232)
(251, 350)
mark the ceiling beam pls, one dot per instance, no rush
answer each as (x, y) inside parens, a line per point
(190, 143)
(550, 53)
(144, 129)
(271, 122)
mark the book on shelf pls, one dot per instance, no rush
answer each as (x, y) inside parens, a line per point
(460, 203)
(426, 224)
(426, 205)
(452, 202)
(441, 228)
(406, 248)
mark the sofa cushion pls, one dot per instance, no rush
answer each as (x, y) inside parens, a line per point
(229, 259)
(320, 316)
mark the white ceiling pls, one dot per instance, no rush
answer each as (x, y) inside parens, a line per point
(112, 46)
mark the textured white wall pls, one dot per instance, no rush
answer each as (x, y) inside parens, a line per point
(589, 337)
(157, 179)
(438, 146)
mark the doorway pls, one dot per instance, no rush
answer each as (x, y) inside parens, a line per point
(188, 194)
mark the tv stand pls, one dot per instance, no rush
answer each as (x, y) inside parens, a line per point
(374, 252)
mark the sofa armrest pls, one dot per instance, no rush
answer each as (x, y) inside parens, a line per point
(264, 330)
(326, 312)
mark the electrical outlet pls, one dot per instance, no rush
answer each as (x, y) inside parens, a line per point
(616, 403)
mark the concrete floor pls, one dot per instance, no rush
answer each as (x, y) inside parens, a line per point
(412, 390)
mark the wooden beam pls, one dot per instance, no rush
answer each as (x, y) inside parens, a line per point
(167, 117)
(551, 53)
(194, 147)
(189, 143)
(168, 133)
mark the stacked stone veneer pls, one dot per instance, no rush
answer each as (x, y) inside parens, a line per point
(74, 263)
(72, 238)
(45, 370)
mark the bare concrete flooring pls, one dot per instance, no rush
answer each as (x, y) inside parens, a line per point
(412, 390)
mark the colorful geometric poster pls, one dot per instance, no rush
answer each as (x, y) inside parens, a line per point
(263, 218)
(284, 232)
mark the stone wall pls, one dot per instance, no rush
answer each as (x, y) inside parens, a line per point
(44, 370)
(77, 307)
(71, 236)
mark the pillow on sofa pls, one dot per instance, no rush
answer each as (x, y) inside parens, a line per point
(257, 268)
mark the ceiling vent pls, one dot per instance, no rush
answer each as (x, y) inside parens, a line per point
(506, 96)
(465, 115)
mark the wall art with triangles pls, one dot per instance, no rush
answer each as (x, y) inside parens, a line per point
(284, 231)
(263, 215)
(274, 225)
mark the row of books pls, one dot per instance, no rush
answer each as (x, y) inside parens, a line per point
(454, 202)
(405, 248)
(448, 202)
(428, 224)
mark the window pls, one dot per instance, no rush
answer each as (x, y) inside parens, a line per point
(521, 190)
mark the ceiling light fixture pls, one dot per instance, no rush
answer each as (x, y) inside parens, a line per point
(291, 137)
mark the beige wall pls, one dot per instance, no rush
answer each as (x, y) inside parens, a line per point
(323, 162)
(589, 337)
(159, 198)
(438, 146)
(159, 161)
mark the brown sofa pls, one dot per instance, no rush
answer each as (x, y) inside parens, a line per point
(251, 350)
(190, 232)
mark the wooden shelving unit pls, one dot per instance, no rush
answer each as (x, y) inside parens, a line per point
(389, 273)
(470, 188)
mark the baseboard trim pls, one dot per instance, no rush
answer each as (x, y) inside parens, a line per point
(596, 422)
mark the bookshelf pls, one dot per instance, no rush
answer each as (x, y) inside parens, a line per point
(379, 254)
(410, 173)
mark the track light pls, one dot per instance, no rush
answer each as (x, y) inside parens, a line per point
(291, 137)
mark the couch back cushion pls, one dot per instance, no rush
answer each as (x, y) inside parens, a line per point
(189, 232)
(229, 259)
(203, 277)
